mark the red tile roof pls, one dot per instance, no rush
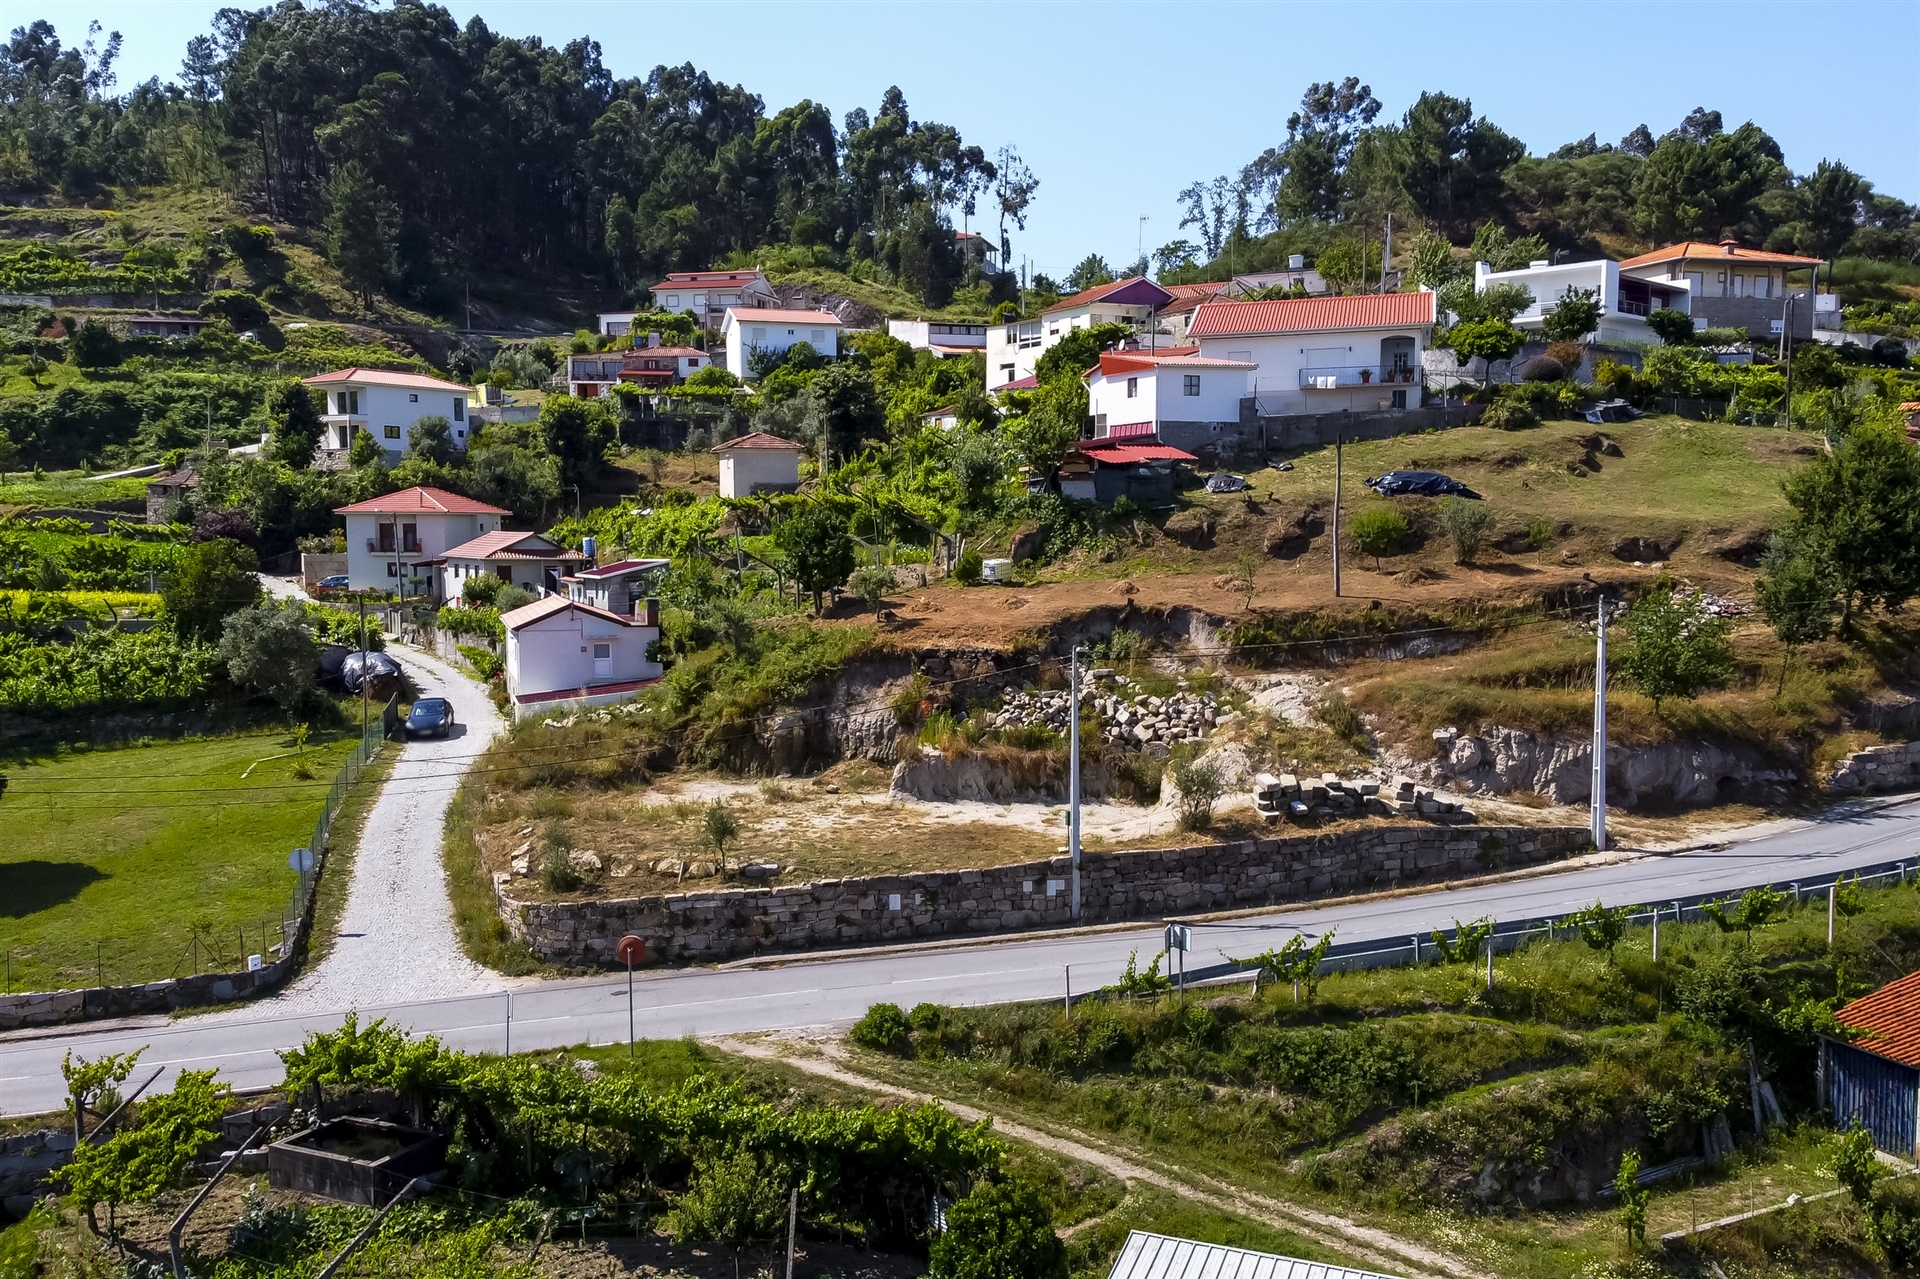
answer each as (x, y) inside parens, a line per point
(1098, 291)
(507, 546)
(1198, 292)
(419, 501)
(757, 440)
(1116, 362)
(384, 377)
(1892, 1016)
(1101, 451)
(620, 569)
(552, 605)
(1308, 315)
(769, 315)
(1724, 249)
(1027, 383)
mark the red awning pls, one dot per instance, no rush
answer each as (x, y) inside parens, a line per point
(1122, 454)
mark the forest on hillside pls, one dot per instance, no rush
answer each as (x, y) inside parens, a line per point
(419, 155)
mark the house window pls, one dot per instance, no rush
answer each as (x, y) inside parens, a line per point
(459, 409)
(414, 398)
(1007, 371)
(410, 538)
(391, 432)
(759, 335)
(673, 300)
(693, 364)
(393, 570)
(817, 336)
(1133, 388)
(1190, 384)
(601, 652)
(386, 539)
(1099, 421)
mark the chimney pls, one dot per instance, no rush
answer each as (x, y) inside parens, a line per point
(653, 340)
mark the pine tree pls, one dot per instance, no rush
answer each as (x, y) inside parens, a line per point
(362, 227)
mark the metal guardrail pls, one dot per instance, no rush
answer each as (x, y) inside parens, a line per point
(1346, 376)
(1343, 957)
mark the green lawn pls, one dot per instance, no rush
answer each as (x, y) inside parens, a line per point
(113, 857)
(63, 488)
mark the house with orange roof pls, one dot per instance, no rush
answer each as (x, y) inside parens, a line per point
(397, 542)
(530, 561)
(1175, 396)
(748, 329)
(707, 294)
(1015, 347)
(1732, 287)
(563, 653)
(1322, 355)
(1875, 1077)
(386, 404)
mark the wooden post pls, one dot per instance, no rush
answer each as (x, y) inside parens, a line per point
(180, 1223)
(793, 1221)
(353, 1245)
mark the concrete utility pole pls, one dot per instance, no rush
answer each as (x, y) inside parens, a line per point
(1073, 782)
(1599, 802)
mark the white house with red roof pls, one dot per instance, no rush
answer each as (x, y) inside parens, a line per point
(1015, 347)
(387, 404)
(749, 329)
(707, 294)
(527, 560)
(564, 654)
(1321, 355)
(1176, 396)
(1731, 287)
(758, 463)
(650, 367)
(396, 542)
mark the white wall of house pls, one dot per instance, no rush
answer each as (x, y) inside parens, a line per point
(922, 334)
(1125, 400)
(1621, 319)
(529, 575)
(1168, 393)
(1321, 372)
(1016, 346)
(742, 469)
(575, 648)
(752, 332)
(369, 568)
(388, 412)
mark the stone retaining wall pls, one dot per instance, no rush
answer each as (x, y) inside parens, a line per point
(49, 1008)
(1878, 768)
(730, 923)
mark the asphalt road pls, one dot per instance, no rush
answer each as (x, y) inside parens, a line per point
(707, 1002)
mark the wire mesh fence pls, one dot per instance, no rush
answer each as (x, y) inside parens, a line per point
(229, 946)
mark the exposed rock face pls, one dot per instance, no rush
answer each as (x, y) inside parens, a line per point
(1030, 777)
(1642, 550)
(1682, 774)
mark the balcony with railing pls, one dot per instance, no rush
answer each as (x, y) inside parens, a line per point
(1348, 377)
(1627, 306)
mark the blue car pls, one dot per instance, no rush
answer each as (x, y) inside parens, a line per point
(337, 582)
(430, 717)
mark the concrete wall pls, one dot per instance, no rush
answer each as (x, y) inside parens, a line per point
(744, 472)
(1307, 430)
(727, 923)
(315, 567)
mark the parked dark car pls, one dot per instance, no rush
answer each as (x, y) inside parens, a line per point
(335, 582)
(430, 716)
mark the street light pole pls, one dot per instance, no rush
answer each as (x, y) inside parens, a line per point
(1073, 782)
(1599, 799)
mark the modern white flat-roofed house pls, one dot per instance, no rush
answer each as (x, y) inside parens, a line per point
(1176, 397)
(1624, 301)
(939, 336)
(1320, 355)
(708, 294)
(619, 587)
(1013, 348)
(1731, 287)
(758, 463)
(749, 329)
(387, 404)
(527, 560)
(398, 538)
(562, 653)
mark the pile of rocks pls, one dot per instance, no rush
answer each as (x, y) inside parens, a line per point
(1128, 716)
(1878, 768)
(1330, 795)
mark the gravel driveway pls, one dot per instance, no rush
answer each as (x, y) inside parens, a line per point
(395, 941)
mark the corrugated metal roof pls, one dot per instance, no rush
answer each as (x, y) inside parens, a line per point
(1308, 315)
(1891, 1015)
(1146, 1256)
(1119, 454)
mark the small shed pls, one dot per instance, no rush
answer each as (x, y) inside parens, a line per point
(1148, 1256)
(1103, 470)
(758, 463)
(1876, 1078)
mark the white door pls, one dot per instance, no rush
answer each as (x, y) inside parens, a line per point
(603, 661)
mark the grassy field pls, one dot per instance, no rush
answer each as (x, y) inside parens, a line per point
(115, 859)
(1418, 1101)
(64, 488)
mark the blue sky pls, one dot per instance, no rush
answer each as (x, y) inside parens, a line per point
(1118, 106)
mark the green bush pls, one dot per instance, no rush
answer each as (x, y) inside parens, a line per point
(733, 1200)
(1509, 415)
(1378, 530)
(269, 650)
(884, 1029)
(1200, 784)
(1466, 524)
(969, 569)
(483, 621)
(484, 663)
(1000, 1230)
(1339, 715)
(1894, 1222)
(1539, 533)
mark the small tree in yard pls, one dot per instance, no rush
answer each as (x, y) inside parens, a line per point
(269, 650)
(1573, 317)
(1675, 648)
(1378, 531)
(1466, 525)
(1491, 340)
(1200, 785)
(1000, 1230)
(720, 827)
(365, 450)
(1633, 1199)
(210, 581)
(1675, 328)
(1795, 595)
(870, 585)
(148, 1154)
(92, 1084)
(815, 549)
(1601, 927)
(1244, 577)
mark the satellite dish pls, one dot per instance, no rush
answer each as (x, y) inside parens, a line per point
(631, 950)
(300, 859)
